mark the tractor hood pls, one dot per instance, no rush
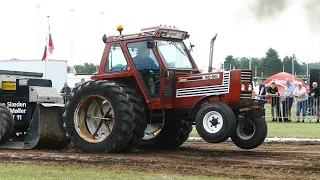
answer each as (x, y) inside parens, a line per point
(203, 84)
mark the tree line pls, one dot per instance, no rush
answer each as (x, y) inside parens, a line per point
(86, 68)
(269, 65)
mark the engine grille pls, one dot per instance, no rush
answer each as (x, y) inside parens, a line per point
(245, 95)
(246, 76)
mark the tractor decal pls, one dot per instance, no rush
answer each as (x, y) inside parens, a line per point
(206, 90)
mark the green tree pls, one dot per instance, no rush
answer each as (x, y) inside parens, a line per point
(271, 63)
(256, 66)
(299, 69)
(244, 63)
(86, 68)
(230, 61)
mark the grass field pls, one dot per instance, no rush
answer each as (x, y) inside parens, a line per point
(44, 171)
(287, 130)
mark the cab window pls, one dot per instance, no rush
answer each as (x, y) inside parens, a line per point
(116, 60)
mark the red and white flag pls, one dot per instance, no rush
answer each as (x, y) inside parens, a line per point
(48, 43)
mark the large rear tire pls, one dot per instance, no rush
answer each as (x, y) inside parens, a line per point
(215, 122)
(250, 134)
(173, 135)
(99, 117)
(6, 124)
(140, 120)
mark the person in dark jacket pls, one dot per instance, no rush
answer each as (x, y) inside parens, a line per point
(315, 98)
(273, 92)
(66, 90)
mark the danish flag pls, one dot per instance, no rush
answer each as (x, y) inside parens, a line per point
(48, 43)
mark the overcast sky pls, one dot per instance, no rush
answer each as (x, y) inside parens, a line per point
(240, 32)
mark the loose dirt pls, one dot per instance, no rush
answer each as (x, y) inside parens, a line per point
(294, 160)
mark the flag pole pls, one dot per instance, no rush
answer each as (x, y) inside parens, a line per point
(47, 44)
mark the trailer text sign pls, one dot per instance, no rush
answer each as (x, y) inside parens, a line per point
(18, 109)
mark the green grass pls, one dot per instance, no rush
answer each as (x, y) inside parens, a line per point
(287, 129)
(44, 171)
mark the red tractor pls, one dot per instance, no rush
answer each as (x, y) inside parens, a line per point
(149, 92)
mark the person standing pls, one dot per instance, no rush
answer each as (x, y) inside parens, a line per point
(300, 93)
(315, 99)
(288, 101)
(273, 92)
(65, 91)
(262, 89)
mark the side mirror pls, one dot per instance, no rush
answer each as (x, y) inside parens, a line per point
(104, 38)
(191, 47)
(150, 43)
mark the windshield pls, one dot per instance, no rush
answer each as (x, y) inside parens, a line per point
(173, 54)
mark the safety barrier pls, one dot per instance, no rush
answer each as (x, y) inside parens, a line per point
(283, 108)
(65, 97)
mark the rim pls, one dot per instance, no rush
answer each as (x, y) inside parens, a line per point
(212, 122)
(152, 131)
(246, 130)
(94, 119)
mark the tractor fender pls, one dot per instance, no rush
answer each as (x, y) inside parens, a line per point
(195, 108)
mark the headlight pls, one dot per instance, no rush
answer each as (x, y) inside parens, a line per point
(242, 87)
(250, 88)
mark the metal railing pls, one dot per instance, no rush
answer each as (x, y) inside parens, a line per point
(284, 109)
(65, 97)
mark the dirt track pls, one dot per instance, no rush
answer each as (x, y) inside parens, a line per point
(269, 161)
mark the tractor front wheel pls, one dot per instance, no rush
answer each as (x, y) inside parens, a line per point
(249, 133)
(215, 122)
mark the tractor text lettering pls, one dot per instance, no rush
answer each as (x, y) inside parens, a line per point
(211, 76)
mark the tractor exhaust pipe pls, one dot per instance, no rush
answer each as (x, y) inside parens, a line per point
(211, 53)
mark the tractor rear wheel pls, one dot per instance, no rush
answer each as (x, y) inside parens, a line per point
(215, 122)
(250, 134)
(6, 124)
(140, 120)
(171, 136)
(99, 117)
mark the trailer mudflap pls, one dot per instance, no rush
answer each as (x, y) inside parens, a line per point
(45, 130)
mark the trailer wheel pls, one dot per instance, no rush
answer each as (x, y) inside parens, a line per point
(6, 124)
(215, 122)
(99, 117)
(249, 133)
(171, 136)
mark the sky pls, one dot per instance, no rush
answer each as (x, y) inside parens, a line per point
(77, 27)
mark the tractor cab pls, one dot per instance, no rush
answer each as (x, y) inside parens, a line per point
(155, 56)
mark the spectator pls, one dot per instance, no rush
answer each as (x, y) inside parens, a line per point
(262, 89)
(314, 97)
(75, 87)
(82, 81)
(300, 93)
(66, 90)
(275, 101)
(288, 101)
